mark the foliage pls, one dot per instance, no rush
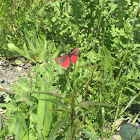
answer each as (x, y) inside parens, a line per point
(127, 131)
(85, 99)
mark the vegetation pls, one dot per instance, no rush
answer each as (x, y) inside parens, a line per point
(86, 99)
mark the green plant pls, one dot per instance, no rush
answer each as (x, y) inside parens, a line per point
(39, 50)
(127, 131)
(106, 73)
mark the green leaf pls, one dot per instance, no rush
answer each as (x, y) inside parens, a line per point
(108, 63)
(17, 127)
(89, 134)
(47, 119)
(130, 102)
(138, 133)
(50, 93)
(57, 128)
(113, 7)
(101, 2)
(1, 123)
(59, 48)
(14, 48)
(41, 109)
(127, 131)
(57, 102)
(131, 90)
(32, 46)
(53, 19)
(28, 54)
(95, 103)
(19, 62)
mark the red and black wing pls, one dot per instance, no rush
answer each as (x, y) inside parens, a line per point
(67, 60)
(64, 61)
(74, 55)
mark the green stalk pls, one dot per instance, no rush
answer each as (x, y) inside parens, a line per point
(72, 116)
(103, 3)
(117, 111)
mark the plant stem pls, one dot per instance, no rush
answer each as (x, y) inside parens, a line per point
(9, 91)
(103, 3)
(116, 115)
(72, 117)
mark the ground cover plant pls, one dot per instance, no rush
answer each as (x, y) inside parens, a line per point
(85, 99)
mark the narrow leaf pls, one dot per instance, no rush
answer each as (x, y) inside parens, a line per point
(14, 48)
(57, 102)
(95, 103)
(130, 102)
(17, 127)
(131, 90)
(1, 123)
(48, 119)
(28, 54)
(89, 134)
(50, 93)
(57, 128)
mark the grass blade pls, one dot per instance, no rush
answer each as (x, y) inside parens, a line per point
(89, 134)
(95, 103)
(57, 102)
(57, 128)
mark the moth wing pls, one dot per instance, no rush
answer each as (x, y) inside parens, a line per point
(73, 58)
(64, 61)
(74, 55)
(75, 51)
